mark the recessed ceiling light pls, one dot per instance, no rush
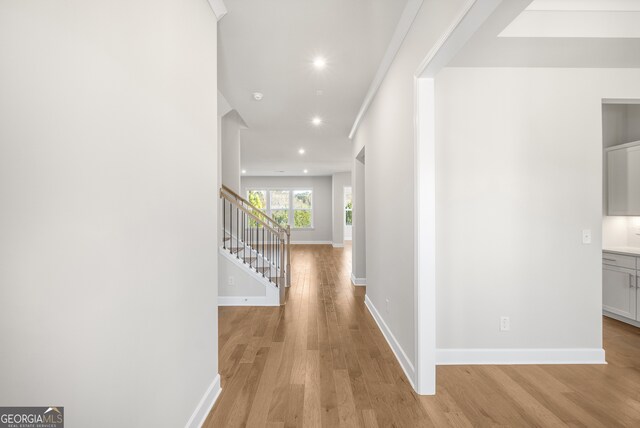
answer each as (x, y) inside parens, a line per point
(301, 151)
(258, 96)
(244, 171)
(305, 171)
(319, 62)
(317, 121)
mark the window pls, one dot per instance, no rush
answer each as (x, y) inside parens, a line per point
(302, 208)
(279, 206)
(258, 199)
(287, 207)
(348, 206)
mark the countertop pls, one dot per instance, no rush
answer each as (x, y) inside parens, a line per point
(629, 251)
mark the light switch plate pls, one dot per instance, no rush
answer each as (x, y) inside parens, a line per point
(586, 236)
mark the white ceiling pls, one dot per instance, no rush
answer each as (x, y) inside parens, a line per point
(577, 18)
(557, 33)
(269, 46)
(585, 5)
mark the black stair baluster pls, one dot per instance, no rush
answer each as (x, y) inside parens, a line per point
(238, 232)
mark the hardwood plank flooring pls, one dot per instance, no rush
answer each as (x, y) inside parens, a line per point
(321, 361)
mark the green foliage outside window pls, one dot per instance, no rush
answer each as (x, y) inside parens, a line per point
(302, 218)
(302, 208)
(281, 217)
(302, 199)
(348, 215)
(257, 198)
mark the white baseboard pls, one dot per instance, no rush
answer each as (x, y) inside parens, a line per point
(205, 405)
(334, 245)
(621, 318)
(358, 281)
(244, 301)
(401, 356)
(519, 356)
(311, 242)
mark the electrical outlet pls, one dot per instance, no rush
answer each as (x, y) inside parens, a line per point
(586, 236)
(505, 324)
(387, 305)
(231, 281)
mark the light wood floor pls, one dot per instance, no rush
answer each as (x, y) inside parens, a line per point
(321, 361)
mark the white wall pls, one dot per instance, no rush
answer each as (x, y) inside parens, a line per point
(230, 150)
(633, 122)
(387, 130)
(339, 181)
(244, 284)
(108, 222)
(358, 230)
(519, 175)
(322, 203)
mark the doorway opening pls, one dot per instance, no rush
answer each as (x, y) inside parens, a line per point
(621, 210)
(348, 212)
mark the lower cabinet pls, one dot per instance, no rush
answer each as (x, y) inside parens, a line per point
(619, 291)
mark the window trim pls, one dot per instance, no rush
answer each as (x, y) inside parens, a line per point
(291, 209)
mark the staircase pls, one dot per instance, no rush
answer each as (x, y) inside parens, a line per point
(256, 241)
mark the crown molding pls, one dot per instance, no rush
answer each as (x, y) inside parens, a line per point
(219, 8)
(404, 24)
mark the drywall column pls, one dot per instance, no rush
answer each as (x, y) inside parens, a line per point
(108, 222)
(230, 150)
(340, 180)
(359, 244)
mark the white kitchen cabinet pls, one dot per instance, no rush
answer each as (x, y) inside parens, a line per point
(623, 179)
(619, 291)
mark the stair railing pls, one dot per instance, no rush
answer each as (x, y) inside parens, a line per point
(256, 239)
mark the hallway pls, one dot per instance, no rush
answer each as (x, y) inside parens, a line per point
(321, 360)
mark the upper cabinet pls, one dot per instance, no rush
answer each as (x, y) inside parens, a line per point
(623, 179)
